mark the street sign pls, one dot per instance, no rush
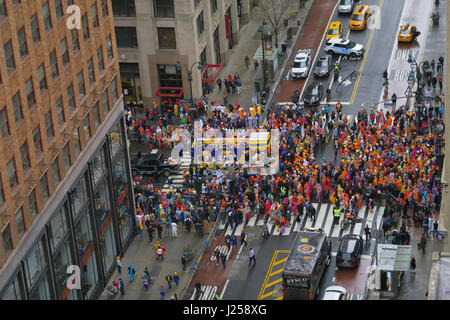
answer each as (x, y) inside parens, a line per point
(388, 104)
(185, 101)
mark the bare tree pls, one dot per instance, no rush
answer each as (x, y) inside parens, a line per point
(275, 11)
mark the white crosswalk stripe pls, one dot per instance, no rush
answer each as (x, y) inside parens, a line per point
(353, 297)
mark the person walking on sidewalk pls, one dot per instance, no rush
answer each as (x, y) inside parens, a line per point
(150, 233)
(131, 272)
(255, 64)
(162, 291)
(119, 265)
(234, 241)
(219, 84)
(238, 86)
(121, 287)
(217, 255)
(423, 243)
(223, 258)
(247, 62)
(176, 279)
(169, 280)
(159, 229)
(228, 242)
(435, 229)
(198, 289)
(412, 265)
(243, 237)
(183, 262)
(440, 79)
(145, 280)
(425, 228)
(174, 229)
(367, 232)
(251, 255)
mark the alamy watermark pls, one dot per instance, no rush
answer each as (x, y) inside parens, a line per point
(231, 149)
(74, 20)
(74, 279)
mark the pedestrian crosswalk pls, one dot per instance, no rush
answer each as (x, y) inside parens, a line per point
(324, 220)
(178, 178)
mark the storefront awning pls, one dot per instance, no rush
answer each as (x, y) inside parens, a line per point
(393, 257)
(217, 66)
(169, 92)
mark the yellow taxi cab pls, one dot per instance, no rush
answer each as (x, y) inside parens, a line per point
(335, 30)
(360, 17)
(408, 33)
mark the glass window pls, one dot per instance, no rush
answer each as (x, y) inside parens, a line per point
(109, 49)
(17, 105)
(9, 56)
(62, 259)
(94, 15)
(58, 9)
(79, 196)
(2, 9)
(107, 245)
(42, 290)
(22, 42)
(75, 41)
(213, 6)
(31, 99)
(13, 292)
(81, 88)
(15, 2)
(116, 139)
(102, 203)
(83, 235)
(46, 16)
(12, 175)
(25, 156)
(37, 141)
(167, 38)
(98, 166)
(49, 125)
(85, 25)
(20, 222)
(91, 75)
(200, 24)
(124, 8)
(42, 79)
(53, 64)
(56, 175)
(126, 37)
(7, 241)
(60, 111)
(164, 8)
(71, 98)
(66, 157)
(87, 132)
(104, 4)
(96, 115)
(89, 275)
(4, 127)
(2, 199)
(105, 102)
(34, 264)
(35, 29)
(114, 89)
(58, 228)
(32, 204)
(169, 75)
(76, 141)
(44, 188)
(101, 65)
(64, 52)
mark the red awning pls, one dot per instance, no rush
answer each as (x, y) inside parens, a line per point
(218, 66)
(171, 92)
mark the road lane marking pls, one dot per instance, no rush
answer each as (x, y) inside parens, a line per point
(279, 261)
(263, 287)
(361, 68)
(274, 282)
(269, 294)
(276, 272)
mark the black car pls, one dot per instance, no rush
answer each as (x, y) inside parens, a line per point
(323, 66)
(313, 95)
(152, 163)
(349, 251)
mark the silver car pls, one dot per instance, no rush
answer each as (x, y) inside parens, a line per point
(346, 6)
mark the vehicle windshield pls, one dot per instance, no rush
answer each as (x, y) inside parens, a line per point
(404, 31)
(348, 246)
(350, 45)
(333, 31)
(299, 64)
(344, 2)
(322, 63)
(358, 17)
(314, 91)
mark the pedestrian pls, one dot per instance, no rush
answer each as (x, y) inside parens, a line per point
(312, 212)
(119, 265)
(385, 227)
(228, 242)
(251, 255)
(243, 237)
(160, 254)
(146, 273)
(183, 262)
(432, 63)
(162, 291)
(435, 229)
(234, 241)
(425, 229)
(223, 259)
(385, 74)
(150, 233)
(238, 86)
(412, 265)
(434, 82)
(174, 229)
(247, 62)
(145, 280)
(394, 99)
(440, 79)
(219, 84)
(131, 272)
(169, 280)
(423, 243)
(367, 232)
(337, 215)
(176, 278)
(159, 229)
(121, 287)
(217, 255)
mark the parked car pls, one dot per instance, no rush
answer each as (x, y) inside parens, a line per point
(153, 163)
(343, 46)
(313, 95)
(335, 293)
(323, 66)
(349, 251)
(346, 6)
(302, 64)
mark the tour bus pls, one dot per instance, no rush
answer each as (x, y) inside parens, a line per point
(310, 255)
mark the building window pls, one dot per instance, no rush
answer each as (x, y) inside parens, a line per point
(25, 156)
(34, 264)
(31, 99)
(2, 199)
(87, 132)
(217, 45)
(85, 25)
(98, 166)
(13, 291)
(3, 12)
(76, 141)
(126, 37)
(75, 41)
(200, 24)
(109, 49)
(64, 52)
(167, 38)
(105, 102)
(56, 175)
(101, 64)
(22, 42)
(37, 141)
(94, 15)
(79, 197)
(46, 16)
(58, 228)
(105, 8)
(49, 125)
(20, 222)
(17, 105)
(81, 88)
(169, 75)
(7, 241)
(42, 79)
(9, 56)
(12, 175)
(196, 2)
(44, 188)
(60, 111)
(32, 204)
(58, 9)
(213, 6)
(164, 8)
(114, 89)
(96, 114)
(15, 2)
(66, 157)
(124, 8)
(53, 64)
(91, 75)
(70, 94)
(35, 29)
(4, 127)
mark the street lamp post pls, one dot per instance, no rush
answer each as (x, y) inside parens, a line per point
(261, 29)
(189, 75)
